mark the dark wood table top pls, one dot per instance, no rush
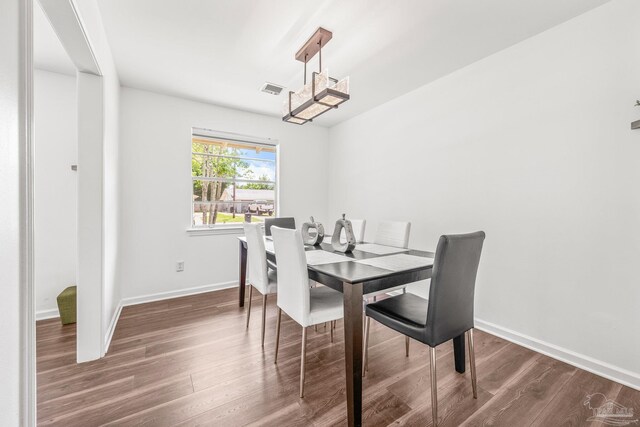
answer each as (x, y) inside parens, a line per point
(355, 272)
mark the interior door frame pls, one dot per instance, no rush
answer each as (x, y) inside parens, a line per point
(66, 21)
(18, 392)
(27, 393)
(68, 26)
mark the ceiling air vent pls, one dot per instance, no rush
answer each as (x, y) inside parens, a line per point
(271, 88)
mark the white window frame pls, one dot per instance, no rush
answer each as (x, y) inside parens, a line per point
(232, 228)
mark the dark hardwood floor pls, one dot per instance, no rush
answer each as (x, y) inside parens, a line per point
(190, 361)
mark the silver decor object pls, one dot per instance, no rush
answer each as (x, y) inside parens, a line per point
(348, 231)
(312, 239)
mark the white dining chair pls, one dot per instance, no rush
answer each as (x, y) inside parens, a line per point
(358, 226)
(258, 276)
(306, 305)
(393, 233)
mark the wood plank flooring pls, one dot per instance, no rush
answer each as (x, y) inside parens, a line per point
(190, 361)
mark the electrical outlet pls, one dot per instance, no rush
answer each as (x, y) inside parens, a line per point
(180, 266)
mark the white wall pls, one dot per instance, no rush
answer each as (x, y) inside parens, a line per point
(533, 146)
(55, 198)
(156, 189)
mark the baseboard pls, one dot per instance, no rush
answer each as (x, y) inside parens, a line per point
(598, 367)
(178, 293)
(112, 328)
(47, 314)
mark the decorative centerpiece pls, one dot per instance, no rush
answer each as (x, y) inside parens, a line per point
(310, 238)
(348, 231)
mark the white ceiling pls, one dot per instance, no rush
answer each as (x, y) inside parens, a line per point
(221, 51)
(48, 53)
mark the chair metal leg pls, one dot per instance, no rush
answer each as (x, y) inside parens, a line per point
(275, 360)
(249, 306)
(315, 328)
(331, 331)
(472, 363)
(264, 315)
(303, 357)
(406, 345)
(434, 387)
(365, 355)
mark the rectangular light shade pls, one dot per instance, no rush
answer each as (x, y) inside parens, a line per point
(316, 97)
(294, 120)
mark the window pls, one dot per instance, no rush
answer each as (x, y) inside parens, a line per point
(233, 179)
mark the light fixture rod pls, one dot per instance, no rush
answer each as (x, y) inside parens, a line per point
(320, 54)
(305, 68)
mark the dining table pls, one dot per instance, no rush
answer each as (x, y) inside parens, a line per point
(369, 268)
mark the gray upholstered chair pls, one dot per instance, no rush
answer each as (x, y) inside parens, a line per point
(447, 313)
(286, 222)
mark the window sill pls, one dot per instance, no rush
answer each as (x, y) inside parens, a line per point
(215, 231)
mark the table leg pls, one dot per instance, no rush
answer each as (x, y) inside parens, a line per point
(353, 351)
(458, 353)
(243, 273)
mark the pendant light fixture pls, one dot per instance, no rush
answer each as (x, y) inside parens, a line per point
(320, 95)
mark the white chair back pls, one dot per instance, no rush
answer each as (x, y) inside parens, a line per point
(256, 257)
(358, 226)
(393, 233)
(293, 278)
(358, 229)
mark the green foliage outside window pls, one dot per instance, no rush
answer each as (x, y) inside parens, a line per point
(220, 191)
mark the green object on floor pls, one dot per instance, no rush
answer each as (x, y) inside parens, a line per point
(67, 305)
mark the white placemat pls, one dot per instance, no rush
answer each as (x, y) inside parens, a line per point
(378, 249)
(397, 262)
(324, 257)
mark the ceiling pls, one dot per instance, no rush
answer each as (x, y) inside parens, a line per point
(48, 53)
(221, 52)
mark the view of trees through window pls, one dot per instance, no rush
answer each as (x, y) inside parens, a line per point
(233, 182)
